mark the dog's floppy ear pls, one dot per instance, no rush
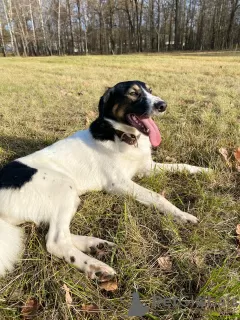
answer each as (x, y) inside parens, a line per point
(103, 100)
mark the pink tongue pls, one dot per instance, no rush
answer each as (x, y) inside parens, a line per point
(154, 135)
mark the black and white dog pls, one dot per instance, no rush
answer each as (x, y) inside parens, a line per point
(45, 186)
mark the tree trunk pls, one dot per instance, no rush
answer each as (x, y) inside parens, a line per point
(59, 28)
(71, 48)
(79, 26)
(170, 29)
(35, 46)
(22, 32)
(46, 49)
(2, 40)
(176, 39)
(235, 5)
(10, 26)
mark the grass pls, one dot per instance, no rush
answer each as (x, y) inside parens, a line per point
(46, 99)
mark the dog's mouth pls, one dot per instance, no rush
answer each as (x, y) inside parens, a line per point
(146, 126)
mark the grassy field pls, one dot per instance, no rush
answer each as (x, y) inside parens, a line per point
(46, 99)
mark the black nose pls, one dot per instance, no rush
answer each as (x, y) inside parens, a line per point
(160, 106)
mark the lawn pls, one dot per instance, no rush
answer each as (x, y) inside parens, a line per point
(46, 99)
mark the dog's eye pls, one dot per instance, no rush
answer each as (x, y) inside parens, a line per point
(133, 93)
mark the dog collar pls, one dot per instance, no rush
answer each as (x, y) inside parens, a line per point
(128, 138)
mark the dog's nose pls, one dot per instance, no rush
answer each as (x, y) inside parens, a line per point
(160, 106)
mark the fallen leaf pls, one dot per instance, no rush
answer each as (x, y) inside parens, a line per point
(237, 157)
(165, 263)
(224, 153)
(87, 121)
(109, 285)
(30, 309)
(90, 307)
(238, 232)
(237, 154)
(90, 116)
(68, 297)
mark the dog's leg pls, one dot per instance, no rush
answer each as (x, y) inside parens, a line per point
(91, 244)
(149, 198)
(175, 167)
(59, 241)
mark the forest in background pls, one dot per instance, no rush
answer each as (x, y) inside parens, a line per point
(58, 27)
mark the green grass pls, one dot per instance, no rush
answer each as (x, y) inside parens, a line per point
(39, 104)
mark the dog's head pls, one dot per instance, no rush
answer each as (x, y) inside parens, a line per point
(132, 103)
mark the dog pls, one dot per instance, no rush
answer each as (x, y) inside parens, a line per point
(45, 186)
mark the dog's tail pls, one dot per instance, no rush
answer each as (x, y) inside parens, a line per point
(11, 246)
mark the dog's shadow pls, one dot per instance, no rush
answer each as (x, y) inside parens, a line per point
(14, 147)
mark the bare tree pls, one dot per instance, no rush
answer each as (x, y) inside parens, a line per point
(10, 25)
(234, 7)
(2, 40)
(44, 27)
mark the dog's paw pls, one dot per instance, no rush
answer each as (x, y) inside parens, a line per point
(102, 249)
(186, 217)
(99, 271)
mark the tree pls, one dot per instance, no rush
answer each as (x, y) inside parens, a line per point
(45, 27)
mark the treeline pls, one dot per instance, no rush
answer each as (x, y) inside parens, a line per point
(46, 27)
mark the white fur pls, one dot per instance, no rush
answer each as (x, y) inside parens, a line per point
(11, 246)
(66, 170)
(151, 98)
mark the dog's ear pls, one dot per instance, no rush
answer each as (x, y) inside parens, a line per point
(103, 100)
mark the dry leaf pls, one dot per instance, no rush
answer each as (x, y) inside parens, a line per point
(237, 157)
(238, 239)
(68, 297)
(237, 154)
(165, 263)
(90, 307)
(225, 155)
(109, 285)
(238, 232)
(87, 121)
(30, 309)
(90, 116)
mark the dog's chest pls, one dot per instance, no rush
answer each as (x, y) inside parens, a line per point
(130, 160)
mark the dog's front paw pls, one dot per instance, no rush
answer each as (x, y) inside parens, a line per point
(186, 217)
(102, 249)
(100, 271)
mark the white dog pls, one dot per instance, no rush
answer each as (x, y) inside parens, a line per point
(45, 186)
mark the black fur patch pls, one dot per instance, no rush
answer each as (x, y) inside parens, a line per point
(102, 130)
(15, 174)
(72, 259)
